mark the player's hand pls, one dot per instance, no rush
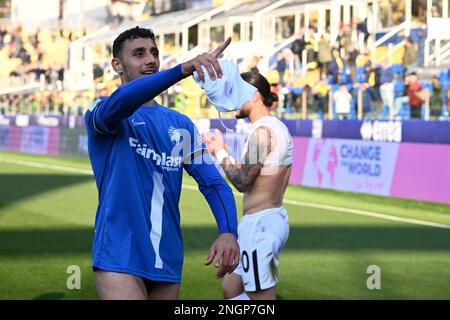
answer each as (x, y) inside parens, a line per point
(225, 254)
(214, 142)
(209, 60)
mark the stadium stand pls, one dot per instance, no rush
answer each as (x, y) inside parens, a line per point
(309, 47)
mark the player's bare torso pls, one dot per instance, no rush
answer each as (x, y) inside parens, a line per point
(267, 190)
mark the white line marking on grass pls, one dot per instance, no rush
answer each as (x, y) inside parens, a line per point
(41, 165)
(352, 211)
(371, 214)
(366, 213)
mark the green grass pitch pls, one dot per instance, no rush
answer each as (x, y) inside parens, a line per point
(47, 217)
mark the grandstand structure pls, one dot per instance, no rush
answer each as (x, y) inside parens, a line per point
(262, 29)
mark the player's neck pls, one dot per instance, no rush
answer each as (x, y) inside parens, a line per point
(258, 113)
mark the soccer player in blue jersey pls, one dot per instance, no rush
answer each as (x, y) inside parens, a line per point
(138, 150)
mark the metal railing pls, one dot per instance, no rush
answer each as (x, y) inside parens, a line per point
(392, 49)
(439, 52)
(402, 27)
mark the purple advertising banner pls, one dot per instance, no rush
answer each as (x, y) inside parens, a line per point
(350, 165)
(435, 132)
(31, 139)
(406, 170)
(422, 172)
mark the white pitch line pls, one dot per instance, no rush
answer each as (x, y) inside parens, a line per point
(46, 166)
(367, 214)
(371, 214)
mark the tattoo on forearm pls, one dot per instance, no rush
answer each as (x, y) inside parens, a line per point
(243, 175)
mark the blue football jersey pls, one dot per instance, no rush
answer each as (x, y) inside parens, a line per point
(138, 169)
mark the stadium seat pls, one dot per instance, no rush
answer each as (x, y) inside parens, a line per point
(399, 88)
(397, 68)
(443, 76)
(297, 90)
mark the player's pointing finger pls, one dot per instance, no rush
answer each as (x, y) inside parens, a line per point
(218, 51)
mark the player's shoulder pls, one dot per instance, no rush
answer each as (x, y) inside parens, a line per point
(272, 126)
(270, 123)
(96, 102)
(179, 117)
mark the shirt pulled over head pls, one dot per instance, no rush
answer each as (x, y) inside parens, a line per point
(228, 93)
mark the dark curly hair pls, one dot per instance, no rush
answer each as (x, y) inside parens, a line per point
(130, 34)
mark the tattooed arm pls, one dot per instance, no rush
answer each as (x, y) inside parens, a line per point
(243, 175)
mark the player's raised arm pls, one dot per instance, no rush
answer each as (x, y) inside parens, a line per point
(138, 64)
(129, 97)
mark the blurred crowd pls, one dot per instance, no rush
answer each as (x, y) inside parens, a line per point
(341, 74)
(324, 77)
(33, 68)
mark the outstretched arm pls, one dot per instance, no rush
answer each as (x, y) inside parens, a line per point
(130, 96)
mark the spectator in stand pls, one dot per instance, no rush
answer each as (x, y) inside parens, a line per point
(342, 102)
(402, 99)
(278, 106)
(435, 11)
(3, 104)
(448, 100)
(336, 67)
(297, 48)
(368, 100)
(97, 71)
(351, 56)
(415, 95)
(320, 96)
(421, 37)
(375, 83)
(325, 56)
(363, 32)
(436, 99)
(409, 56)
(281, 67)
(344, 37)
(293, 97)
(387, 85)
(367, 64)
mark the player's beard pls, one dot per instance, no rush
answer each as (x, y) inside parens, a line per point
(242, 113)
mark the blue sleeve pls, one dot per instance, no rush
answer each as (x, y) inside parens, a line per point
(132, 95)
(199, 164)
(218, 194)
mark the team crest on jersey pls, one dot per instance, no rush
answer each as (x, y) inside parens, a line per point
(174, 135)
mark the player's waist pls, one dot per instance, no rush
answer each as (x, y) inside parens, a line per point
(256, 215)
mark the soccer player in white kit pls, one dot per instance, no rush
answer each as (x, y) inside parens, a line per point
(262, 174)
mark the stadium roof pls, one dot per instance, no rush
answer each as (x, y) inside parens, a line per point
(250, 8)
(295, 4)
(173, 21)
(245, 9)
(167, 23)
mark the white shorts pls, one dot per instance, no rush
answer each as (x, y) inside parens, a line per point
(261, 236)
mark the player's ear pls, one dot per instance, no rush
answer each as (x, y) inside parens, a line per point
(117, 65)
(258, 96)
